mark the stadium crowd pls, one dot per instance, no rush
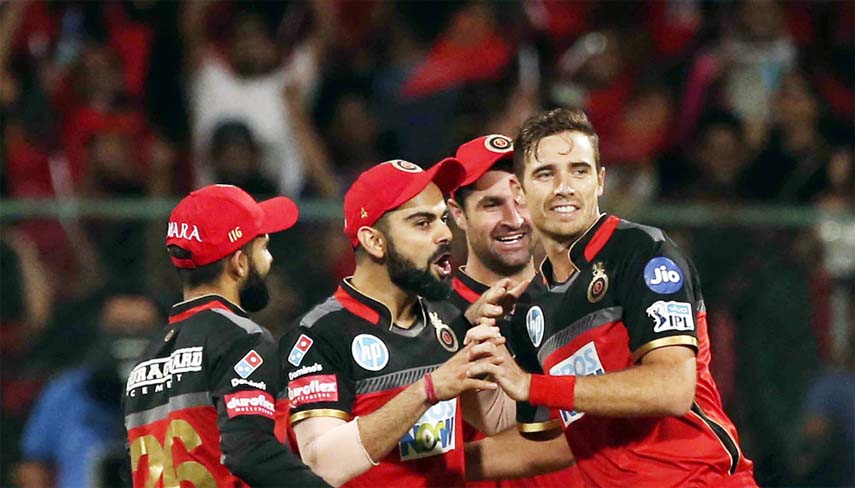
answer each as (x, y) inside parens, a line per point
(727, 104)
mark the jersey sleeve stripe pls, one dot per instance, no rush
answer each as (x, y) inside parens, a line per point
(180, 402)
(722, 435)
(552, 424)
(677, 340)
(320, 412)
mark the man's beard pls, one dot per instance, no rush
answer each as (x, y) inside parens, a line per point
(254, 295)
(417, 280)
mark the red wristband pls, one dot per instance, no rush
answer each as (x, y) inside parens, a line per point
(552, 391)
(429, 391)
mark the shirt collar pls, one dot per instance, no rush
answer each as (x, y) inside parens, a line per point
(374, 311)
(188, 308)
(586, 246)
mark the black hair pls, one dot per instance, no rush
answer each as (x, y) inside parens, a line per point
(201, 275)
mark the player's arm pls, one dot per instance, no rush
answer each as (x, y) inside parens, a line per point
(243, 395)
(663, 384)
(364, 441)
(660, 317)
(509, 455)
(489, 411)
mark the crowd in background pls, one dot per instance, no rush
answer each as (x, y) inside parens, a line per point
(727, 103)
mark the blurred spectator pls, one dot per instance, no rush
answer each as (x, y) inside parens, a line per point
(235, 159)
(82, 406)
(249, 83)
(793, 167)
(25, 305)
(824, 454)
(742, 70)
(710, 167)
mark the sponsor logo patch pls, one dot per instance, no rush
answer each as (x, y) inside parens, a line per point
(161, 370)
(671, 316)
(248, 364)
(301, 347)
(255, 384)
(369, 352)
(534, 325)
(312, 389)
(315, 368)
(433, 433)
(584, 362)
(252, 402)
(663, 275)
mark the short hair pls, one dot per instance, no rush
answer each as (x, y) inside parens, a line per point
(549, 123)
(201, 275)
(461, 194)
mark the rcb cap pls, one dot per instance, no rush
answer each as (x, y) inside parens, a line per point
(479, 155)
(217, 220)
(389, 185)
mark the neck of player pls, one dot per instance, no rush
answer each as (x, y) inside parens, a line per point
(230, 293)
(558, 252)
(374, 282)
(480, 272)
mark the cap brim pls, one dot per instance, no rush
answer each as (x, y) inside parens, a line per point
(476, 170)
(447, 174)
(280, 213)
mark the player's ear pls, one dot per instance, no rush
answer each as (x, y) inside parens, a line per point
(372, 240)
(237, 264)
(601, 181)
(457, 214)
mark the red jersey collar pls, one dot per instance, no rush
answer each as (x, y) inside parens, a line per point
(466, 286)
(374, 311)
(186, 309)
(586, 246)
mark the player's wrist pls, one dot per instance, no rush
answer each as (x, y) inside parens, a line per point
(429, 390)
(552, 391)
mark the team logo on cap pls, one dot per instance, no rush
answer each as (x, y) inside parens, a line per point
(444, 334)
(599, 283)
(499, 143)
(406, 166)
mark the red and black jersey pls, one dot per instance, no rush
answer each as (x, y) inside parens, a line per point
(632, 292)
(465, 291)
(199, 407)
(347, 358)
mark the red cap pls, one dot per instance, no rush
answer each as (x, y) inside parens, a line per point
(479, 155)
(217, 220)
(389, 185)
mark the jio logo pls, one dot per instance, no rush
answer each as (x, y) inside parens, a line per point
(663, 275)
(369, 352)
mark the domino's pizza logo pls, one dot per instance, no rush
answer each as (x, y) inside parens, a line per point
(248, 364)
(662, 275)
(301, 347)
(369, 352)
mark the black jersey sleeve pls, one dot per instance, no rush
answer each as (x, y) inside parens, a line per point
(529, 418)
(657, 289)
(318, 373)
(244, 379)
